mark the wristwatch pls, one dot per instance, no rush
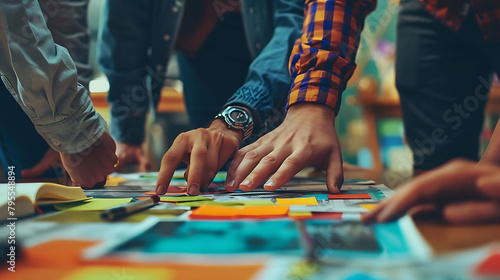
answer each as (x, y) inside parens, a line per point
(237, 118)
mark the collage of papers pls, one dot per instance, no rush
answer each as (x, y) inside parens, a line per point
(299, 231)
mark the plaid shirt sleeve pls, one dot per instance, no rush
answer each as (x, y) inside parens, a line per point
(322, 59)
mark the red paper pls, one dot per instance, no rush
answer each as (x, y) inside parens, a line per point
(490, 266)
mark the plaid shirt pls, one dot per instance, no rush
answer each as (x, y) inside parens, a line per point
(322, 59)
(453, 12)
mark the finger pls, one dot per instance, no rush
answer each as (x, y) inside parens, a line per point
(230, 183)
(371, 217)
(424, 211)
(44, 165)
(472, 212)
(170, 161)
(228, 150)
(249, 162)
(489, 185)
(334, 172)
(291, 166)
(266, 167)
(197, 167)
(454, 181)
(214, 148)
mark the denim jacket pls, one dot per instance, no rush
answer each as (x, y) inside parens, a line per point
(271, 28)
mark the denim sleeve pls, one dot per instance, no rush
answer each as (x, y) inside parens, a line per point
(42, 78)
(123, 57)
(268, 78)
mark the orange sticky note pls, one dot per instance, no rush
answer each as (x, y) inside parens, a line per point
(215, 212)
(349, 196)
(297, 201)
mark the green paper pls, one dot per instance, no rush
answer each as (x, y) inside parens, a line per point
(92, 204)
(228, 203)
(184, 198)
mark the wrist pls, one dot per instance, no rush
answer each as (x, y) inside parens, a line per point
(312, 111)
(220, 125)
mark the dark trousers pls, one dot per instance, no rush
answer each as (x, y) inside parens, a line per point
(217, 70)
(443, 78)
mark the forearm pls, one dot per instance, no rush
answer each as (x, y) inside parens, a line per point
(323, 58)
(43, 80)
(268, 79)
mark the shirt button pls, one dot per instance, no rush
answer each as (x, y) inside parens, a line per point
(166, 37)
(175, 9)
(55, 142)
(258, 46)
(159, 67)
(251, 10)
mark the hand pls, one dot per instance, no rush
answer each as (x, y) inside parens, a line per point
(306, 137)
(91, 166)
(49, 160)
(131, 154)
(466, 191)
(205, 151)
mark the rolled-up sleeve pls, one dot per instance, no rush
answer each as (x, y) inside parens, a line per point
(323, 58)
(42, 78)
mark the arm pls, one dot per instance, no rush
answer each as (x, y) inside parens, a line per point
(321, 63)
(268, 79)
(206, 150)
(42, 78)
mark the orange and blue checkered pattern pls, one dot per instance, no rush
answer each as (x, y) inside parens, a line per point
(323, 57)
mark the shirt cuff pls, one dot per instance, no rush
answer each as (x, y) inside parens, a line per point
(255, 99)
(75, 133)
(319, 87)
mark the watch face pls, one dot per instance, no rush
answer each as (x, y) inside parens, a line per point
(238, 116)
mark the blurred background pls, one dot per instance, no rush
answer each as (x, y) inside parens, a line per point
(369, 123)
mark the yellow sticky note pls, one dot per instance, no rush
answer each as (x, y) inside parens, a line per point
(119, 272)
(114, 181)
(299, 214)
(92, 204)
(183, 198)
(297, 201)
(369, 206)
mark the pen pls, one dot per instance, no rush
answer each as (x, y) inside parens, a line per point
(122, 211)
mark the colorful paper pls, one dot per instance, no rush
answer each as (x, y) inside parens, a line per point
(297, 201)
(214, 212)
(119, 272)
(369, 207)
(490, 266)
(93, 204)
(349, 196)
(299, 214)
(183, 198)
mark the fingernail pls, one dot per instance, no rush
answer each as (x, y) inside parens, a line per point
(161, 189)
(270, 183)
(231, 183)
(193, 189)
(246, 183)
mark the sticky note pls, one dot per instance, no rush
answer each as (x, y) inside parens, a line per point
(214, 212)
(119, 272)
(183, 198)
(349, 196)
(297, 201)
(490, 266)
(93, 204)
(299, 213)
(369, 206)
(209, 202)
(114, 181)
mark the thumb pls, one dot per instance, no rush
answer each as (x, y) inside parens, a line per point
(44, 165)
(334, 172)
